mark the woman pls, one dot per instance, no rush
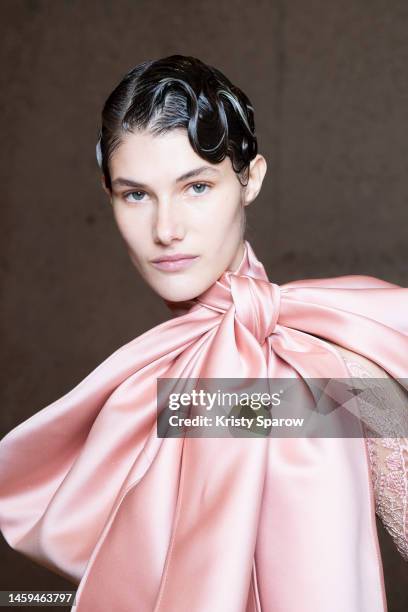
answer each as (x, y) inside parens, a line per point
(170, 524)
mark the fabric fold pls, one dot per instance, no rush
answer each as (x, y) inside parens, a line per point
(222, 524)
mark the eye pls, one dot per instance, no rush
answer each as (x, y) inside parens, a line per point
(132, 193)
(200, 188)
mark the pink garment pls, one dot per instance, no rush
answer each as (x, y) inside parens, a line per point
(148, 524)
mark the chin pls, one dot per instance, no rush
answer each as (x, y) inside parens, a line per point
(184, 291)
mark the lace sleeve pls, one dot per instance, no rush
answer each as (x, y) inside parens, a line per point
(388, 456)
(389, 466)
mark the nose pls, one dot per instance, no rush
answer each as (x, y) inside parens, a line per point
(167, 225)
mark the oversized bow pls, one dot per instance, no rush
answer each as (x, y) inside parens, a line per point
(222, 525)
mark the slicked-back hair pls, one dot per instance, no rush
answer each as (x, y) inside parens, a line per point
(180, 92)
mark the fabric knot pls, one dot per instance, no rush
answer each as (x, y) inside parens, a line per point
(257, 304)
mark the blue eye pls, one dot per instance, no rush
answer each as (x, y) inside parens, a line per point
(131, 193)
(201, 187)
(138, 196)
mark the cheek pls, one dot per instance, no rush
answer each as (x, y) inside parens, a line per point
(224, 215)
(130, 231)
(226, 225)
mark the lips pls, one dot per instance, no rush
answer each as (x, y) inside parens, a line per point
(174, 257)
(172, 263)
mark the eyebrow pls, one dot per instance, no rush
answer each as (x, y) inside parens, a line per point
(195, 172)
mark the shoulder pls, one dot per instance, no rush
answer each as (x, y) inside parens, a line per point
(384, 401)
(361, 366)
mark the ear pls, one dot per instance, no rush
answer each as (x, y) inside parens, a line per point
(256, 174)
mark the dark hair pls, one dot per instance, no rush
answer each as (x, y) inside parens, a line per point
(180, 92)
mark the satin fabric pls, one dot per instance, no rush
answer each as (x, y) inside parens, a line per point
(152, 524)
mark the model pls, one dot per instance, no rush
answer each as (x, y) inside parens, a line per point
(146, 523)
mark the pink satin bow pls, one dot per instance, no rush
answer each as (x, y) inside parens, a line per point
(152, 524)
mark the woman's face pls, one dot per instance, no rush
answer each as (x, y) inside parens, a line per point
(168, 201)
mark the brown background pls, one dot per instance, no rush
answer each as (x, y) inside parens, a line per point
(328, 80)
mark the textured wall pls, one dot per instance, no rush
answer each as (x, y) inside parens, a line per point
(329, 83)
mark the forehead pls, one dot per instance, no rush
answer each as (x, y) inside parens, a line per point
(167, 156)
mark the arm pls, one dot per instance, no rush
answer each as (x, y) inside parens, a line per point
(388, 456)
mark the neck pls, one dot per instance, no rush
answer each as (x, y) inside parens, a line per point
(238, 257)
